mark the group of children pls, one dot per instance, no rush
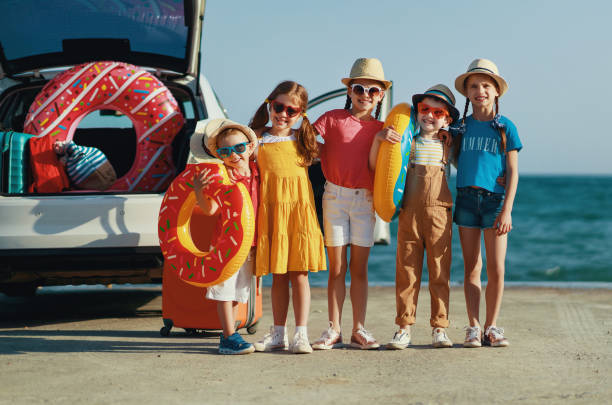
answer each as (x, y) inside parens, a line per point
(271, 158)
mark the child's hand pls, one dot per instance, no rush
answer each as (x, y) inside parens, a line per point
(503, 222)
(59, 147)
(501, 180)
(389, 134)
(445, 137)
(202, 180)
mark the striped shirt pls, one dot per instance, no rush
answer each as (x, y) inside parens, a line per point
(429, 152)
(82, 161)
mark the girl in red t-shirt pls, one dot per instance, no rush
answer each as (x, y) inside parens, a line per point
(348, 212)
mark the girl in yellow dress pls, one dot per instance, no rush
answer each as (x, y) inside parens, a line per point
(289, 243)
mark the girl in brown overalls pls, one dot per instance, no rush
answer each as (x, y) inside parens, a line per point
(425, 221)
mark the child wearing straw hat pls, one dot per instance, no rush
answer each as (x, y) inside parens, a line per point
(234, 144)
(348, 213)
(425, 220)
(486, 147)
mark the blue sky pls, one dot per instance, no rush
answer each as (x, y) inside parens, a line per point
(555, 56)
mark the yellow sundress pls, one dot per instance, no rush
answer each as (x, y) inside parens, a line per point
(288, 233)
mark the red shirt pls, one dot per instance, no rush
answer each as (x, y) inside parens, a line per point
(345, 153)
(252, 185)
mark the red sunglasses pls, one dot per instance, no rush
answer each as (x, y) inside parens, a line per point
(435, 111)
(280, 107)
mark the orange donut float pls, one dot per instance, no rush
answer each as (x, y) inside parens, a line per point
(231, 247)
(71, 95)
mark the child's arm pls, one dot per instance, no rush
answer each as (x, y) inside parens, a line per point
(386, 134)
(200, 182)
(504, 219)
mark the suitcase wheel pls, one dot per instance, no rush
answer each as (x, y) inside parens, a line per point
(165, 330)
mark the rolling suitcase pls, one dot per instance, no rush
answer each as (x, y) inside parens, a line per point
(185, 306)
(14, 162)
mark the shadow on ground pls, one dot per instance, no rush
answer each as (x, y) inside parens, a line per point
(56, 306)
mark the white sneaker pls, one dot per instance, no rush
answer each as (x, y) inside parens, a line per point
(329, 339)
(300, 344)
(362, 339)
(401, 340)
(440, 338)
(272, 342)
(494, 337)
(473, 336)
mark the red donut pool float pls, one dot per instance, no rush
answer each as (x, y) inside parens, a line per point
(71, 95)
(236, 230)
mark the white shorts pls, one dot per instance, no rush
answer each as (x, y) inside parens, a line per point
(237, 287)
(348, 216)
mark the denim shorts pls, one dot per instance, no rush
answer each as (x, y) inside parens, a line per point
(477, 208)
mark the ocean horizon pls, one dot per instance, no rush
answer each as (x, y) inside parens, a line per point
(562, 233)
(561, 237)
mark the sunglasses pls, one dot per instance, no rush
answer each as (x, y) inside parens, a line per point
(280, 107)
(227, 151)
(437, 113)
(361, 90)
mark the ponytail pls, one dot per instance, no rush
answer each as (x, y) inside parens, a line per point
(261, 117)
(307, 142)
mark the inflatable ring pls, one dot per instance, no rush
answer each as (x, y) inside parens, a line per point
(71, 95)
(392, 163)
(237, 228)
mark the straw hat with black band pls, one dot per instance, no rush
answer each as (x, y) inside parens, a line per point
(485, 67)
(367, 68)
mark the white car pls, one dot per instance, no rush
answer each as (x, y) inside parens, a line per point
(89, 237)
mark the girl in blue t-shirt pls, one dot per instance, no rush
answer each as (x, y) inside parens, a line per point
(486, 147)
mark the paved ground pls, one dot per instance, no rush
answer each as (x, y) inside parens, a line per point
(103, 347)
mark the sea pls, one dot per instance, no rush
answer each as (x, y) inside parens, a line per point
(561, 236)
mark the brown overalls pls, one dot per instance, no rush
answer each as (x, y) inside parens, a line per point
(425, 223)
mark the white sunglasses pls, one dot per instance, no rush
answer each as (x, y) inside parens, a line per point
(360, 90)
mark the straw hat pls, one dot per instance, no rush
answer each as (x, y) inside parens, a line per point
(485, 67)
(442, 93)
(207, 131)
(367, 68)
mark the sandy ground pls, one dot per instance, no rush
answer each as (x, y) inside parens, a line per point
(104, 347)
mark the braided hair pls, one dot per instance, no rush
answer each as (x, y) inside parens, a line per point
(349, 102)
(500, 127)
(496, 124)
(461, 130)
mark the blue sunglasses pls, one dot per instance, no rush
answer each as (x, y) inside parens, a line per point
(227, 151)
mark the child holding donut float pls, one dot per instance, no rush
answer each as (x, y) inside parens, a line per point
(234, 144)
(486, 147)
(289, 240)
(425, 219)
(348, 213)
